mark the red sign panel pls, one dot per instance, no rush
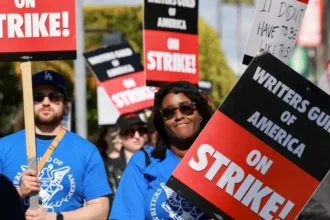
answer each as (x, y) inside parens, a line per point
(234, 180)
(170, 58)
(129, 93)
(37, 30)
(170, 39)
(264, 152)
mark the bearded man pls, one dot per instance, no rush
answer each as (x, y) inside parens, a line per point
(71, 181)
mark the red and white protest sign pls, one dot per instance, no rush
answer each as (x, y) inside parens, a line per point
(37, 30)
(264, 152)
(128, 92)
(169, 58)
(170, 39)
(311, 31)
(121, 86)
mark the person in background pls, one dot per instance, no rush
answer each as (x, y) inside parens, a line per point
(180, 113)
(152, 133)
(108, 142)
(71, 181)
(133, 134)
(110, 146)
(129, 135)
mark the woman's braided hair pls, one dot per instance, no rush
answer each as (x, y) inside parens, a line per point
(192, 92)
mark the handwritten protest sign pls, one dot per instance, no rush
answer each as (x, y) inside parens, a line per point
(275, 28)
(170, 38)
(37, 30)
(265, 150)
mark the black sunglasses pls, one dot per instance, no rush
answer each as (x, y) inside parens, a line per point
(186, 108)
(130, 132)
(53, 97)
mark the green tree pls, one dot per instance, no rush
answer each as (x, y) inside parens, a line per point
(213, 65)
(244, 2)
(10, 98)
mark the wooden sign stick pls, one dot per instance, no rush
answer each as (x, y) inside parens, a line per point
(29, 125)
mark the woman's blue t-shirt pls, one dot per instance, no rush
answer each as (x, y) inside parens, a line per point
(143, 194)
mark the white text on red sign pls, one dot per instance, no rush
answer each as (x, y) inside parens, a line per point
(250, 192)
(132, 95)
(172, 62)
(33, 25)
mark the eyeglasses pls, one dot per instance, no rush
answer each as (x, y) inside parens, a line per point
(186, 108)
(130, 132)
(53, 97)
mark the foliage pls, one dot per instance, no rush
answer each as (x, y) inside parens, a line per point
(244, 2)
(213, 65)
(10, 97)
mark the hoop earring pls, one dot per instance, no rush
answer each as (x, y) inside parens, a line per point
(201, 119)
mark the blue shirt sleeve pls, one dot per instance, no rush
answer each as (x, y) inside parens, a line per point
(95, 180)
(129, 199)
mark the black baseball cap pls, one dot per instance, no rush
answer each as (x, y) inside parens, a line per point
(49, 77)
(128, 119)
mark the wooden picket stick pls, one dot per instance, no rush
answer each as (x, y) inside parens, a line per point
(26, 72)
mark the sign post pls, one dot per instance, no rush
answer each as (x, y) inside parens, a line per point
(32, 30)
(29, 124)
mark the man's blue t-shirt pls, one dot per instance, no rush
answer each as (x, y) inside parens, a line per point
(73, 173)
(143, 194)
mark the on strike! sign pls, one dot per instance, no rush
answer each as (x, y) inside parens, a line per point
(275, 28)
(171, 41)
(120, 74)
(264, 152)
(37, 30)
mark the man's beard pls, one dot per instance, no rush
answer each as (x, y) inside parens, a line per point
(54, 118)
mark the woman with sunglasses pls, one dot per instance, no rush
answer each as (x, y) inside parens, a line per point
(110, 147)
(180, 112)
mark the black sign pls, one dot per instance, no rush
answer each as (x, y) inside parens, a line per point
(176, 15)
(269, 139)
(113, 61)
(285, 111)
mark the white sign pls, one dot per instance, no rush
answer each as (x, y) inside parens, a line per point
(107, 111)
(275, 28)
